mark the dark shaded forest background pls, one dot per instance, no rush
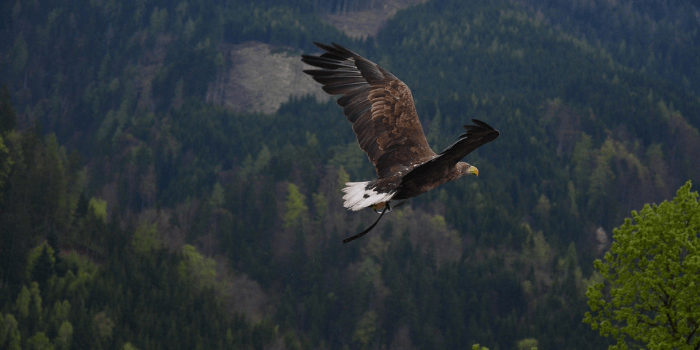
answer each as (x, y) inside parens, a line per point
(137, 214)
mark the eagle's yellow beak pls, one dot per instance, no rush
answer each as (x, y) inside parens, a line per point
(473, 170)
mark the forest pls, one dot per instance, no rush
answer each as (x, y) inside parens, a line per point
(136, 214)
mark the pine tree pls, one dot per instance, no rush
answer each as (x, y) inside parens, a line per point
(8, 120)
(43, 268)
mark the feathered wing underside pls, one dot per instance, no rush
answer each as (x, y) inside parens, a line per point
(379, 106)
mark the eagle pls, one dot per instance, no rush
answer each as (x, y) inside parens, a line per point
(384, 119)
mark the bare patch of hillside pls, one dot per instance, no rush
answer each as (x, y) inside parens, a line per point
(261, 78)
(367, 22)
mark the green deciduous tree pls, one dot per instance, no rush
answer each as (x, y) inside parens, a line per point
(367, 329)
(201, 268)
(527, 344)
(129, 346)
(651, 296)
(28, 302)
(103, 325)
(9, 334)
(64, 336)
(145, 238)
(296, 207)
(99, 208)
(39, 342)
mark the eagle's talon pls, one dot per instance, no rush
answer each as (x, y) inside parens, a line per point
(378, 206)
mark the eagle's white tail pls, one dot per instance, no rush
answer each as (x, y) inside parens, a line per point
(357, 196)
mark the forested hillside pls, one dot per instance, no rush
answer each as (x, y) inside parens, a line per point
(134, 214)
(660, 38)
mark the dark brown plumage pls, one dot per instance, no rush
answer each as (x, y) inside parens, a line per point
(383, 116)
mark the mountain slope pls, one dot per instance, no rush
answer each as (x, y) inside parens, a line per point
(586, 136)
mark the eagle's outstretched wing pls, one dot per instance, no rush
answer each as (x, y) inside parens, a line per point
(475, 136)
(379, 106)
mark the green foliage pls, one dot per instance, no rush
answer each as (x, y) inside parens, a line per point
(41, 259)
(500, 259)
(63, 292)
(28, 302)
(70, 324)
(650, 297)
(99, 208)
(366, 330)
(349, 157)
(343, 177)
(9, 334)
(20, 55)
(527, 344)
(217, 196)
(158, 20)
(5, 166)
(39, 342)
(43, 268)
(8, 118)
(262, 160)
(296, 209)
(145, 239)
(202, 269)
(64, 336)
(103, 326)
(320, 205)
(128, 346)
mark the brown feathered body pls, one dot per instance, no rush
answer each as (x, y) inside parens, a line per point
(384, 118)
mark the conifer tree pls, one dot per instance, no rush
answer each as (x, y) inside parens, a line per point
(8, 119)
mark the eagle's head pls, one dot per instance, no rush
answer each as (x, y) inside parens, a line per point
(466, 169)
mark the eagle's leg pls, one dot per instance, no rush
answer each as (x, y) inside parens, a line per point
(387, 204)
(400, 203)
(367, 230)
(377, 206)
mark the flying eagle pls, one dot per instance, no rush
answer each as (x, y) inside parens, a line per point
(383, 116)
